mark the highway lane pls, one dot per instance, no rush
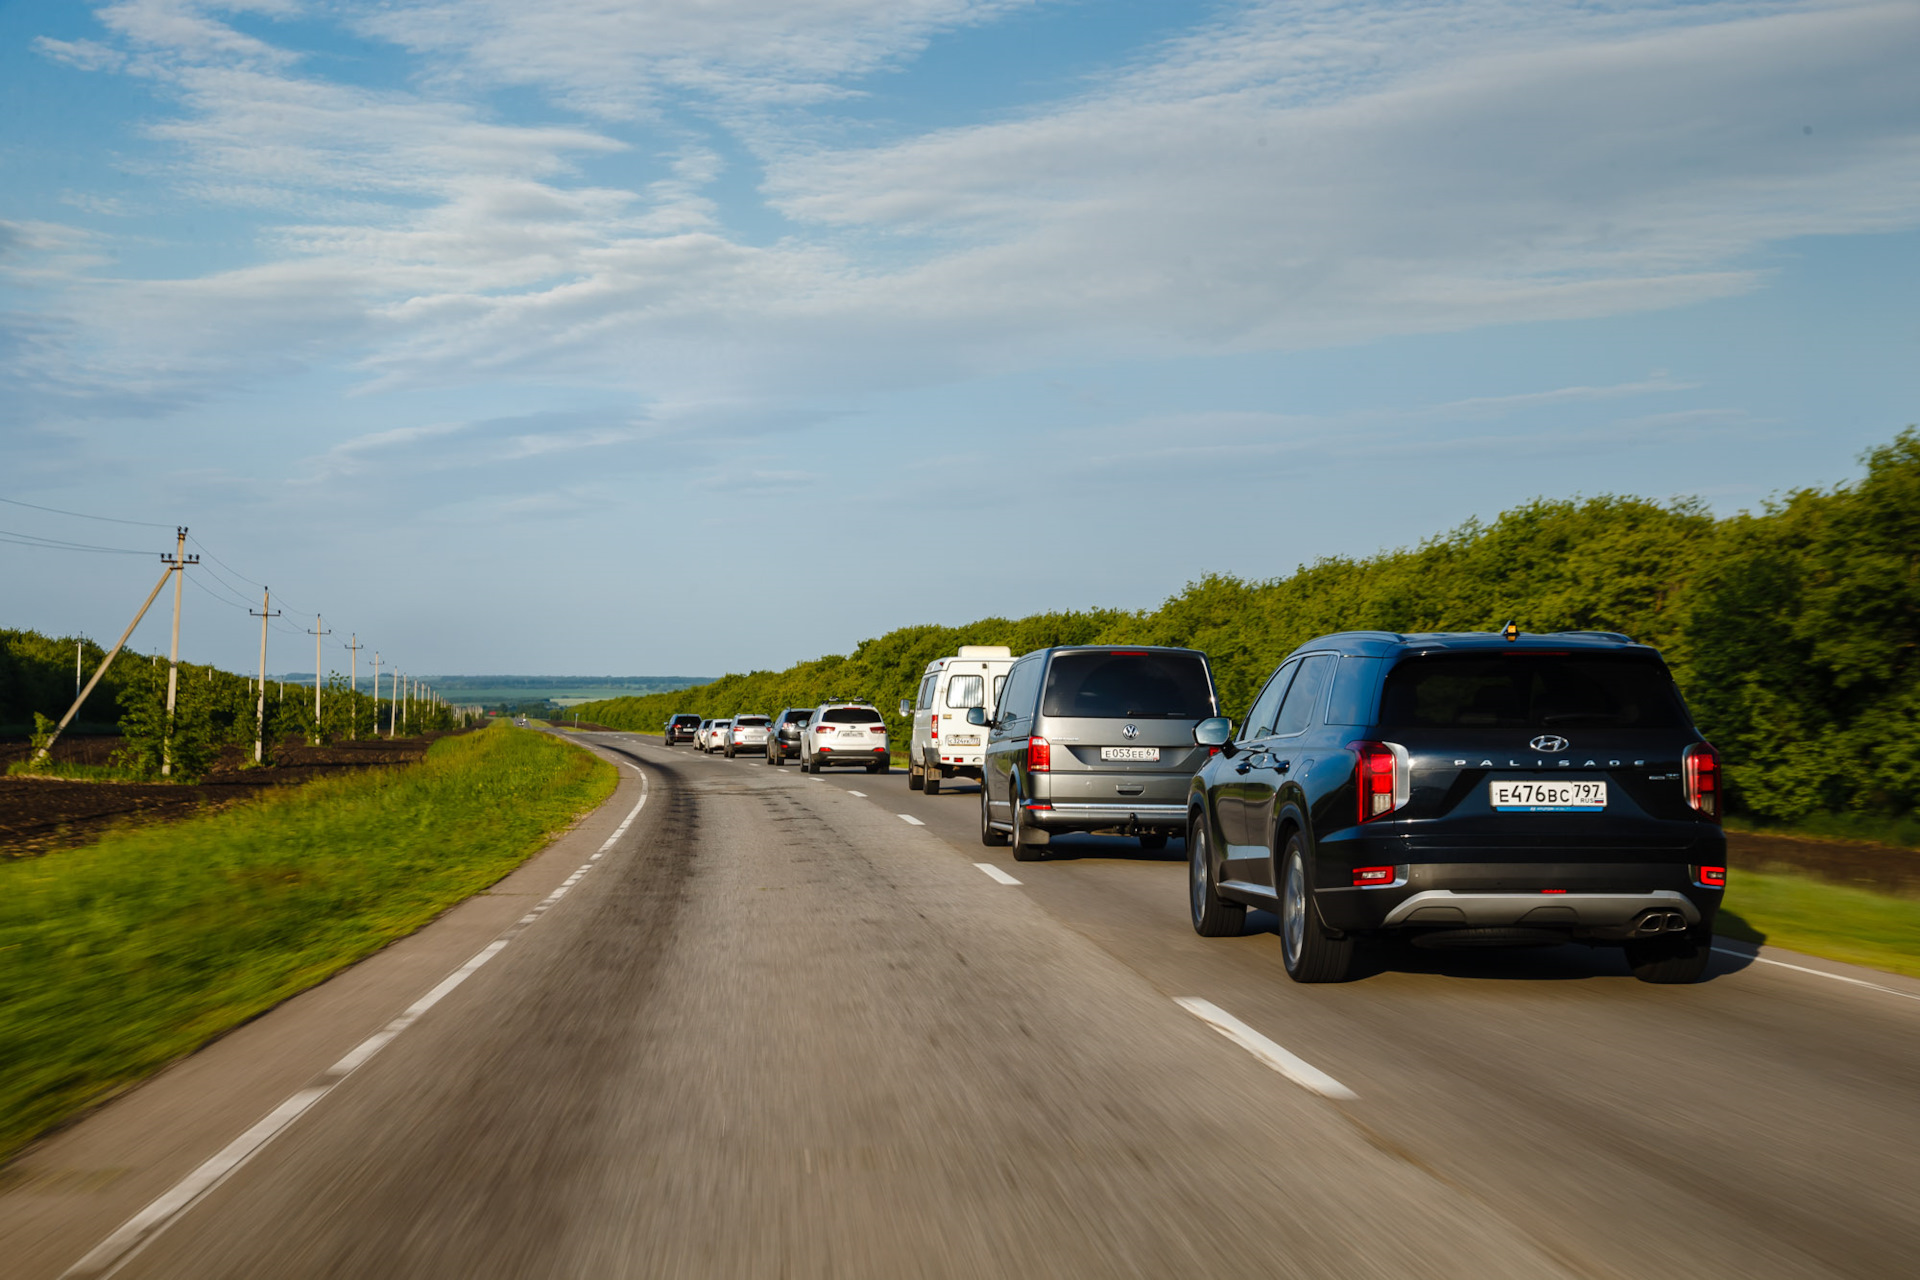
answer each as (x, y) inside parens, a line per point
(1763, 1123)
(780, 1032)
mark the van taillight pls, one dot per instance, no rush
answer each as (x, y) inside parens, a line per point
(1701, 768)
(1039, 754)
(1380, 778)
(933, 726)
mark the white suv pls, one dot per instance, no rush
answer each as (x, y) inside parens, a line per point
(746, 733)
(845, 734)
(944, 745)
(716, 735)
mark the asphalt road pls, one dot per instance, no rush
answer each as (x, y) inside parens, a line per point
(779, 1030)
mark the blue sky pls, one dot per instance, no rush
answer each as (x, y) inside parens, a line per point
(696, 335)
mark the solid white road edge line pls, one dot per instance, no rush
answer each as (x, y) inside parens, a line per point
(1819, 973)
(907, 817)
(107, 1257)
(996, 873)
(1302, 1073)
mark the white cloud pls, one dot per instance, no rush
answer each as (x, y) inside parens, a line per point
(615, 57)
(1291, 176)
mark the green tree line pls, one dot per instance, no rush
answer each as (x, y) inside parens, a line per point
(1792, 630)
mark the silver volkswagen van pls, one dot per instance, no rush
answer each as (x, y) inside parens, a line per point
(1093, 738)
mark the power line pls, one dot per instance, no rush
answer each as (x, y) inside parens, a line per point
(61, 544)
(81, 515)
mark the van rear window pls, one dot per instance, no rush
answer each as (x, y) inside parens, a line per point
(1530, 691)
(1121, 684)
(851, 715)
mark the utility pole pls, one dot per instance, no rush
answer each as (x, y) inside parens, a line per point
(76, 668)
(179, 563)
(316, 633)
(406, 697)
(393, 705)
(376, 693)
(353, 686)
(260, 710)
(67, 719)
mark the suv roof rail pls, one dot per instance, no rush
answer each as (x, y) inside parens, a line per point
(1621, 636)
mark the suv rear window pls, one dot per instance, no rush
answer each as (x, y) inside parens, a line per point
(750, 721)
(1123, 683)
(852, 715)
(1530, 691)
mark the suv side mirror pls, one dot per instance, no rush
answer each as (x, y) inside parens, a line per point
(1216, 731)
(977, 716)
(906, 707)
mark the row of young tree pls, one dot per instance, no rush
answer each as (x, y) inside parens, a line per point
(1794, 631)
(213, 709)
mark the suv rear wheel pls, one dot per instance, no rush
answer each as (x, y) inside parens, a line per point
(813, 764)
(1306, 950)
(1213, 916)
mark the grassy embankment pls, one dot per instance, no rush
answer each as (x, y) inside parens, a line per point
(120, 957)
(1838, 922)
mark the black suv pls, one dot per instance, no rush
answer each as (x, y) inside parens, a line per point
(1463, 789)
(680, 728)
(783, 741)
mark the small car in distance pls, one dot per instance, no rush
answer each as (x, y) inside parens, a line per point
(681, 728)
(1463, 789)
(745, 733)
(845, 735)
(783, 739)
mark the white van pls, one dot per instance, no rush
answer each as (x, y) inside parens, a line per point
(943, 744)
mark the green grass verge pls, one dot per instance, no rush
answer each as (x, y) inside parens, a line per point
(85, 772)
(1902, 832)
(119, 957)
(1821, 919)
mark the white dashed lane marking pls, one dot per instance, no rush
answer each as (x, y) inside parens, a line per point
(996, 873)
(1301, 1072)
(907, 817)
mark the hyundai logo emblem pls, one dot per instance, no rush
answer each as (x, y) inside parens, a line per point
(1130, 730)
(1549, 742)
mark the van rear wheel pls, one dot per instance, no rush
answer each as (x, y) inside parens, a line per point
(915, 779)
(932, 784)
(1024, 849)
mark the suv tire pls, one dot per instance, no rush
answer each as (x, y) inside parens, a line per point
(813, 765)
(876, 767)
(989, 835)
(1672, 961)
(1213, 915)
(727, 751)
(1306, 950)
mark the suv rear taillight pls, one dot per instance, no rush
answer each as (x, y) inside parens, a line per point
(1710, 877)
(1380, 777)
(1700, 766)
(1039, 754)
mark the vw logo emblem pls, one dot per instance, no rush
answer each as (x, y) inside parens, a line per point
(1130, 730)
(1548, 742)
